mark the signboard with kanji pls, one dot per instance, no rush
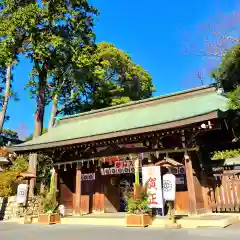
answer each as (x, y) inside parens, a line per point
(120, 167)
(151, 176)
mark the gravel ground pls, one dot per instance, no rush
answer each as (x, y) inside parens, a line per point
(11, 231)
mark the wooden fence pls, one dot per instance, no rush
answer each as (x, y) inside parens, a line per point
(224, 191)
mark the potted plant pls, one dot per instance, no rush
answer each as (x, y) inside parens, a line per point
(138, 212)
(137, 202)
(49, 205)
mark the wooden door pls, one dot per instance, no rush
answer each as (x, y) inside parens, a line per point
(87, 196)
(111, 194)
(67, 188)
(66, 196)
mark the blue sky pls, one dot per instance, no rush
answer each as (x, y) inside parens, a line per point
(153, 32)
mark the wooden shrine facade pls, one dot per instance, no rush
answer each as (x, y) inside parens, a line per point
(94, 153)
(86, 184)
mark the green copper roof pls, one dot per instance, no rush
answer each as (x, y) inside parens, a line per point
(158, 111)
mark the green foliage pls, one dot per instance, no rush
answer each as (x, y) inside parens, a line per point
(9, 133)
(234, 99)
(12, 22)
(107, 76)
(9, 177)
(44, 166)
(227, 76)
(49, 202)
(219, 155)
(137, 205)
(228, 72)
(60, 30)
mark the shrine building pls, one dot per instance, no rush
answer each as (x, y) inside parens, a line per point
(94, 152)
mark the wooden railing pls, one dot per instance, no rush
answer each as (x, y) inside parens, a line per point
(224, 191)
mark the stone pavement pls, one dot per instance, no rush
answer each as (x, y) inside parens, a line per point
(11, 231)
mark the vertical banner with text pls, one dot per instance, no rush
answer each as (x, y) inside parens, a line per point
(151, 176)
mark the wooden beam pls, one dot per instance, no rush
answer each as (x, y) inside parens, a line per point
(135, 155)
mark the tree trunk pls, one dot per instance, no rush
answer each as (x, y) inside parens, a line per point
(6, 97)
(39, 114)
(38, 126)
(53, 112)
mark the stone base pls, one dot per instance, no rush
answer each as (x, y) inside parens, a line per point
(10, 209)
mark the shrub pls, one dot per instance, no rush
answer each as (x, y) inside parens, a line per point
(48, 203)
(139, 204)
(8, 178)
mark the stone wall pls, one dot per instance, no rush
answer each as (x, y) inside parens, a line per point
(10, 209)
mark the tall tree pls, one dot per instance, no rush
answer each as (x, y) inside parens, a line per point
(106, 77)
(62, 26)
(58, 25)
(227, 74)
(227, 77)
(11, 39)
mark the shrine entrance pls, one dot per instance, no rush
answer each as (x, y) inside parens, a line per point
(117, 178)
(126, 185)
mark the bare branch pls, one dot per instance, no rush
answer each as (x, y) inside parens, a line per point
(236, 40)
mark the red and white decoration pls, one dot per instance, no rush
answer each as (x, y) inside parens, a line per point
(88, 176)
(121, 167)
(151, 176)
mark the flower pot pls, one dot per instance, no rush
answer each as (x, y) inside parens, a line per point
(49, 218)
(138, 220)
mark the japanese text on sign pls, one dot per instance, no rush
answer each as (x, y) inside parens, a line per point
(152, 177)
(121, 167)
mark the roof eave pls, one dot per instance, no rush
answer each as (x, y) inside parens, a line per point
(158, 127)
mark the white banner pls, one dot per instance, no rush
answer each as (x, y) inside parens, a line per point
(169, 187)
(151, 176)
(22, 193)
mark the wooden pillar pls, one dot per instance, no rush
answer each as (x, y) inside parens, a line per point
(190, 186)
(78, 190)
(32, 168)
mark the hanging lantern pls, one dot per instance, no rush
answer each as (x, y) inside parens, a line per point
(65, 167)
(59, 166)
(88, 164)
